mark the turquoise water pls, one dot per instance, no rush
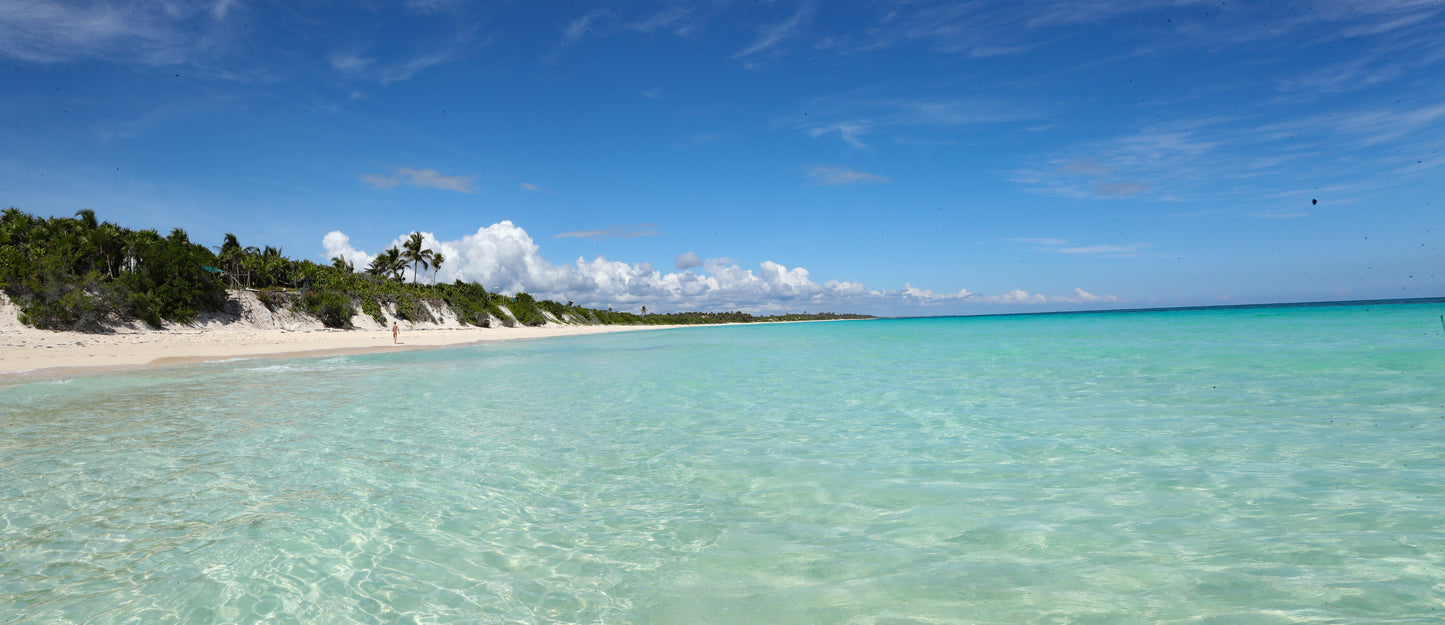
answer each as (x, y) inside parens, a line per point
(1272, 465)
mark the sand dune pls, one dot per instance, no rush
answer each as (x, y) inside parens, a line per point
(246, 330)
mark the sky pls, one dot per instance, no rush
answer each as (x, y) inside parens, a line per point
(889, 158)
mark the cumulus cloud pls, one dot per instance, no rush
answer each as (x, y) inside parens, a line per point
(337, 244)
(503, 257)
(688, 260)
(430, 178)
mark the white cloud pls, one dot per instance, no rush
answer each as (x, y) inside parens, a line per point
(613, 232)
(582, 26)
(847, 131)
(673, 19)
(838, 175)
(53, 32)
(1104, 249)
(337, 244)
(1061, 246)
(220, 8)
(1045, 241)
(926, 296)
(503, 257)
(777, 33)
(419, 178)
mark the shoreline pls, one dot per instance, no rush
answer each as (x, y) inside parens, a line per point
(28, 351)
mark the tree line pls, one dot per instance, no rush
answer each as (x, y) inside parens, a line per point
(78, 273)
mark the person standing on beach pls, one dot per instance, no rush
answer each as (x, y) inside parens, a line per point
(394, 331)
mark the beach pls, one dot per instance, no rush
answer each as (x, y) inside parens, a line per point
(252, 333)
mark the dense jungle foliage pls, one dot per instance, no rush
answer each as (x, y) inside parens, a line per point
(78, 274)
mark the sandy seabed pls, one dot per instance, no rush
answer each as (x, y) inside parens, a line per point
(246, 330)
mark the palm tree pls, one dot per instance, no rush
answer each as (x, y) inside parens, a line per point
(341, 263)
(110, 240)
(378, 266)
(436, 265)
(273, 267)
(395, 264)
(417, 255)
(231, 255)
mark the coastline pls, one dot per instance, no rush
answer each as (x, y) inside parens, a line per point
(254, 333)
(29, 350)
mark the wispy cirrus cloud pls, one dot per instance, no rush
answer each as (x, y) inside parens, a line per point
(146, 33)
(834, 175)
(597, 22)
(1265, 166)
(357, 67)
(851, 117)
(849, 132)
(1049, 245)
(773, 35)
(612, 232)
(1131, 249)
(676, 20)
(427, 178)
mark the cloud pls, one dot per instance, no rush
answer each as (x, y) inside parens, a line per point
(838, 175)
(1112, 250)
(503, 257)
(148, 33)
(580, 27)
(775, 34)
(1085, 167)
(1045, 241)
(430, 178)
(928, 298)
(527, 186)
(674, 19)
(847, 131)
(1119, 189)
(1061, 246)
(221, 8)
(358, 67)
(851, 118)
(431, 7)
(598, 22)
(337, 244)
(614, 232)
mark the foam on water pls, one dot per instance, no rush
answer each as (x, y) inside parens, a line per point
(1253, 466)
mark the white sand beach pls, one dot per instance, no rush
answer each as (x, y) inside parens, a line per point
(247, 330)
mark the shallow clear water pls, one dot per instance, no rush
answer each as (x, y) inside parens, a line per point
(1272, 465)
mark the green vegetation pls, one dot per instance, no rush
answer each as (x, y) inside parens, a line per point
(74, 274)
(79, 274)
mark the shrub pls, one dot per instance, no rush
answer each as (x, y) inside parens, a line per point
(333, 309)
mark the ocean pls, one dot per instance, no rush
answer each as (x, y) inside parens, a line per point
(1246, 465)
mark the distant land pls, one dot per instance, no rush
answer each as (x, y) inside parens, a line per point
(81, 274)
(1359, 302)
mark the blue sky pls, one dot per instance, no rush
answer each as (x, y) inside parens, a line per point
(895, 158)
